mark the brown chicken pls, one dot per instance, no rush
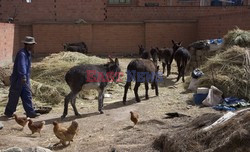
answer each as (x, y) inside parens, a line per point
(35, 126)
(134, 117)
(65, 134)
(22, 121)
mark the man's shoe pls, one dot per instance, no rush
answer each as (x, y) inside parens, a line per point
(7, 115)
(34, 115)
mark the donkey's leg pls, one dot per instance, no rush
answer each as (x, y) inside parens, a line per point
(156, 87)
(146, 89)
(100, 99)
(66, 103)
(183, 71)
(179, 70)
(137, 84)
(126, 91)
(168, 69)
(163, 66)
(73, 104)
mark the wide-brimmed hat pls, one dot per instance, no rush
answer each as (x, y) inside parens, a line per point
(29, 40)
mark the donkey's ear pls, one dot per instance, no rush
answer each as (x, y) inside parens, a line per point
(173, 42)
(180, 43)
(111, 60)
(116, 61)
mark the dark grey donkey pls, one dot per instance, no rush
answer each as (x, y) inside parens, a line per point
(143, 53)
(80, 47)
(166, 56)
(90, 77)
(182, 57)
(141, 71)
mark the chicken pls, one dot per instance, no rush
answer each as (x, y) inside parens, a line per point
(65, 134)
(134, 117)
(35, 126)
(22, 121)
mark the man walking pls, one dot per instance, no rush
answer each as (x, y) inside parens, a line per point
(20, 81)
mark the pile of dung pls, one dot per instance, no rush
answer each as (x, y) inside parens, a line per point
(237, 37)
(229, 71)
(232, 135)
(48, 75)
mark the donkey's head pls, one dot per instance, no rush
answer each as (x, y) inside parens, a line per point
(159, 53)
(176, 45)
(114, 67)
(65, 46)
(141, 49)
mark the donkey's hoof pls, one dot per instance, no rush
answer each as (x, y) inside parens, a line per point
(78, 115)
(124, 102)
(101, 112)
(62, 117)
(147, 97)
(138, 100)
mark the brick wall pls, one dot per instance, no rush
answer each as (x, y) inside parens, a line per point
(160, 33)
(6, 43)
(124, 37)
(50, 37)
(217, 26)
(100, 38)
(52, 10)
(113, 38)
(47, 11)
(117, 38)
(20, 32)
(134, 14)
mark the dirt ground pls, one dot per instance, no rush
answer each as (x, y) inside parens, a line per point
(113, 129)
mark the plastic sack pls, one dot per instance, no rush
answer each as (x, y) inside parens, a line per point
(214, 97)
(193, 85)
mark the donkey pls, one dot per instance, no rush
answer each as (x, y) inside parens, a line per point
(154, 54)
(87, 77)
(182, 57)
(165, 54)
(76, 47)
(143, 53)
(141, 70)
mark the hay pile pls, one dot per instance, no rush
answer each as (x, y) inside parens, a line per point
(5, 76)
(45, 93)
(237, 37)
(48, 83)
(229, 71)
(232, 135)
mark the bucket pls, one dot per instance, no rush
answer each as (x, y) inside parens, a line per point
(198, 98)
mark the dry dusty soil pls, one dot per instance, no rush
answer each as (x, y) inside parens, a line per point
(113, 129)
